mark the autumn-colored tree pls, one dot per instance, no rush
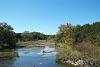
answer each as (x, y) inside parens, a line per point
(65, 34)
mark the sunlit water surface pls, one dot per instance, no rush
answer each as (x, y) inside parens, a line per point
(31, 57)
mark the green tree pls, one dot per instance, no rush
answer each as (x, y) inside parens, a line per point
(38, 36)
(26, 36)
(7, 36)
(18, 36)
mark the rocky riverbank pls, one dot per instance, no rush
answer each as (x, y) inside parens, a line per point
(83, 63)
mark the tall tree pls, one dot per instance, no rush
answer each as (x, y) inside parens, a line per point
(7, 36)
(65, 34)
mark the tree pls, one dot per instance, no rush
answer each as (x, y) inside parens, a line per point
(18, 36)
(97, 40)
(5, 26)
(7, 36)
(38, 36)
(65, 34)
(86, 39)
(26, 36)
(65, 38)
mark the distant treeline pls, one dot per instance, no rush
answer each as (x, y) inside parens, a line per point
(31, 36)
(8, 37)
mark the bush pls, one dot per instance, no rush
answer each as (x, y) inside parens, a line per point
(68, 53)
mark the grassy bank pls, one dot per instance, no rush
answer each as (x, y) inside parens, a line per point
(5, 54)
(69, 55)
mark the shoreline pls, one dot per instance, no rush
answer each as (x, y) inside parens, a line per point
(82, 63)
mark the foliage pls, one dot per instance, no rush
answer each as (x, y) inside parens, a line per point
(87, 32)
(65, 34)
(51, 38)
(97, 40)
(30, 36)
(18, 36)
(78, 41)
(68, 53)
(7, 36)
(26, 36)
(38, 36)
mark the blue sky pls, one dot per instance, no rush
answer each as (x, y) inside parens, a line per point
(46, 15)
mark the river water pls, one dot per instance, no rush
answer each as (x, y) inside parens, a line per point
(31, 57)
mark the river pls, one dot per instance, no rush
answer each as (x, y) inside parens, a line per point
(31, 57)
